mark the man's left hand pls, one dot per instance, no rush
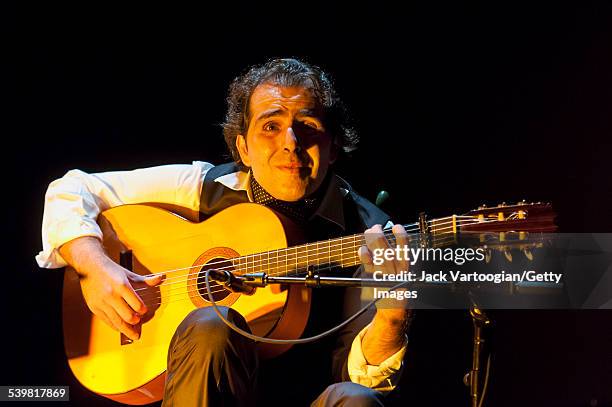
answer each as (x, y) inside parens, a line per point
(386, 335)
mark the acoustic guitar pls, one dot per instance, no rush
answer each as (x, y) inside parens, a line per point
(244, 238)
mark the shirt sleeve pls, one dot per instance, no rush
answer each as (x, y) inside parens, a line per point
(73, 202)
(383, 377)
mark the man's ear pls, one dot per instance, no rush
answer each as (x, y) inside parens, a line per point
(241, 145)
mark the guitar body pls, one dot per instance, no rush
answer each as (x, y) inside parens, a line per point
(245, 238)
(150, 240)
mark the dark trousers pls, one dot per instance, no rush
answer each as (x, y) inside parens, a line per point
(211, 365)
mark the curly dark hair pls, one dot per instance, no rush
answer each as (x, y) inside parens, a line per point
(287, 73)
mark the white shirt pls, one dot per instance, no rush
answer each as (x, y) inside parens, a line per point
(73, 203)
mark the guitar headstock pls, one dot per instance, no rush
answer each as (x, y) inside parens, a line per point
(519, 217)
(508, 227)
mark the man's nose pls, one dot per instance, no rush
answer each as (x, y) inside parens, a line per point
(291, 142)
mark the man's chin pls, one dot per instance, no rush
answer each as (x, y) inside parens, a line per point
(291, 194)
(292, 197)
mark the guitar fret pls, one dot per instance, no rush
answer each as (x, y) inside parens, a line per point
(346, 250)
(291, 259)
(302, 263)
(262, 264)
(273, 262)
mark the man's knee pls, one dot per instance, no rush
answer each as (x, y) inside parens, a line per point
(203, 330)
(349, 394)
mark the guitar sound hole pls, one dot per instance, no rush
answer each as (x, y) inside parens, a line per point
(219, 292)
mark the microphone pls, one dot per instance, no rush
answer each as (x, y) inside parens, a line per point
(232, 282)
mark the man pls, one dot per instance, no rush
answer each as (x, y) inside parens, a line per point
(284, 128)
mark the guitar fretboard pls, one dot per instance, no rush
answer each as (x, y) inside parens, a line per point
(341, 252)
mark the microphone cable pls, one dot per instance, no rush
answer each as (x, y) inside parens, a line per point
(289, 341)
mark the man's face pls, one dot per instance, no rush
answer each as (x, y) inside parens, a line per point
(286, 144)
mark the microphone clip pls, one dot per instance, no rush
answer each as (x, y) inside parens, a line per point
(232, 282)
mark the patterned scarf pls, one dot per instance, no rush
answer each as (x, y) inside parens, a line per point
(298, 211)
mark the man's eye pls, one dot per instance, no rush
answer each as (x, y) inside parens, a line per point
(270, 127)
(313, 125)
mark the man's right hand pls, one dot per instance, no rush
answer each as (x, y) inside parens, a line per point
(108, 288)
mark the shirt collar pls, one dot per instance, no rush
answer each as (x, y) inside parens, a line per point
(331, 208)
(238, 181)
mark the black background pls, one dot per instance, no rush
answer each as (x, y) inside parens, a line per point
(457, 103)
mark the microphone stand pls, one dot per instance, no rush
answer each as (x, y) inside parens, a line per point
(315, 281)
(471, 379)
(246, 283)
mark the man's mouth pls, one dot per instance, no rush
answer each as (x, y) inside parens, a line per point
(293, 168)
(290, 167)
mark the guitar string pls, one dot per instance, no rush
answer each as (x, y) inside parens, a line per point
(193, 287)
(350, 257)
(437, 228)
(283, 255)
(319, 266)
(408, 226)
(255, 254)
(436, 223)
(293, 253)
(192, 280)
(341, 239)
(355, 260)
(199, 292)
(295, 257)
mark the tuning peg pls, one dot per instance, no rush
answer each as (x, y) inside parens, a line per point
(508, 255)
(528, 254)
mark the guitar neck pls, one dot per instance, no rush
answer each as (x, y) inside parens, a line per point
(342, 252)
